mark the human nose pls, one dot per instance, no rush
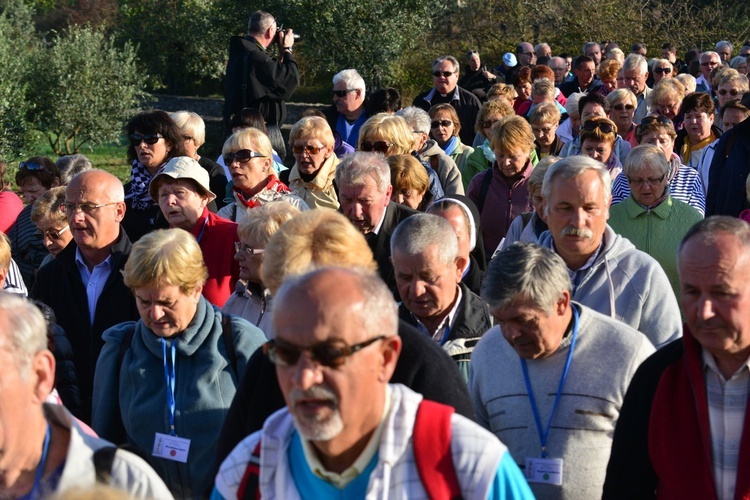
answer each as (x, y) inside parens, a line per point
(417, 288)
(578, 218)
(156, 312)
(307, 373)
(705, 308)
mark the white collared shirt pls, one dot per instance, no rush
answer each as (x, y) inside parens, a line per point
(93, 280)
(727, 403)
(447, 323)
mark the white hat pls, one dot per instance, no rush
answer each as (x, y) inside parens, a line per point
(509, 59)
(182, 167)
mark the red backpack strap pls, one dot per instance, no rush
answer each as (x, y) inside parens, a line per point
(432, 450)
(250, 486)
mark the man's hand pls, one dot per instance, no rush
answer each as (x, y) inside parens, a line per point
(286, 39)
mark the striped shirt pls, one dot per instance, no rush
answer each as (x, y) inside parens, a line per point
(727, 402)
(686, 186)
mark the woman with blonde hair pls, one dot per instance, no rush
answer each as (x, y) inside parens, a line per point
(164, 383)
(311, 177)
(666, 99)
(249, 156)
(409, 182)
(622, 105)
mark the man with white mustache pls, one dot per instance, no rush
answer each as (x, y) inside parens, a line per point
(347, 432)
(608, 273)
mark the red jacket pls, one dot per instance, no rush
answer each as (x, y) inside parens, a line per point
(216, 237)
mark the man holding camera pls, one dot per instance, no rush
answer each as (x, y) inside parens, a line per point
(256, 80)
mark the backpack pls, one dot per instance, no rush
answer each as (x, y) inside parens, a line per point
(432, 453)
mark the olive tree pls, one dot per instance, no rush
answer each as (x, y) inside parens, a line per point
(83, 87)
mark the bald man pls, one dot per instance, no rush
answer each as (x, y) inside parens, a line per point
(83, 284)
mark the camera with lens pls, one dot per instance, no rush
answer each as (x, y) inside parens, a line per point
(280, 29)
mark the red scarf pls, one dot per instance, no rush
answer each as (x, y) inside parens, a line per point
(274, 185)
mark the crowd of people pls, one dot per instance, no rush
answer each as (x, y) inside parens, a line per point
(532, 282)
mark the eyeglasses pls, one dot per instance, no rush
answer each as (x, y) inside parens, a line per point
(242, 156)
(311, 150)
(592, 125)
(150, 139)
(733, 92)
(489, 123)
(620, 107)
(53, 234)
(532, 53)
(86, 208)
(379, 146)
(331, 354)
(444, 74)
(27, 165)
(240, 247)
(643, 182)
(342, 93)
(441, 123)
(710, 63)
(664, 71)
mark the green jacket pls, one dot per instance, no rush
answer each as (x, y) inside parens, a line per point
(656, 232)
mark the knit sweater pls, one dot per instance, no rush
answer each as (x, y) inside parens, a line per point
(627, 284)
(657, 232)
(607, 354)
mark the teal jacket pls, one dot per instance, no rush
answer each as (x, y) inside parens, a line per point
(130, 399)
(657, 232)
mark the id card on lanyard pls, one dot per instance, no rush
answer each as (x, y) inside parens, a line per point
(545, 469)
(170, 446)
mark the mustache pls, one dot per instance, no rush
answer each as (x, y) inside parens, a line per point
(577, 231)
(314, 392)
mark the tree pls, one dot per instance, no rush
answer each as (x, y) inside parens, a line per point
(83, 88)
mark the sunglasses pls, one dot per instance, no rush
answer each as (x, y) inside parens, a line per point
(34, 167)
(311, 150)
(444, 74)
(441, 123)
(150, 139)
(733, 92)
(643, 182)
(331, 354)
(659, 119)
(86, 208)
(53, 234)
(620, 107)
(605, 127)
(378, 146)
(664, 71)
(240, 247)
(342, 93)
(241, 156)
(489, 123)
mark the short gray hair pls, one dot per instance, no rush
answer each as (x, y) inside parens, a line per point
(525, 271)
(72, 165)
(543, 86)
(622, 95)
(571, 105)
(451, 59)
(588, 45)
(688, 81)
(379, 313)
(417, 118)
(420, 231)
(709, 53)
(25, 330)
(191, 124)
(708, 228)
(645, 156)
(724, 43)
(635, 62)
(259, 23)
(356, 166)
(570, 168)
(352, 78)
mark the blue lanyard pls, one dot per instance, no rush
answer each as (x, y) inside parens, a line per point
(544, 434)
(200, 235)
(170, 377)
(445, 334)
(35, 493)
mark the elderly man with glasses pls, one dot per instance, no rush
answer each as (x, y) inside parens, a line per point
(709, 60)
(83, 284)
(349, 110)
(445, 71)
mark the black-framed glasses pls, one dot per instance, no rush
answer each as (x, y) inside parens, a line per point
(86, 208)
(342, 93)
(311, 150)
(150, 139)
(620, 107)
(33, 167)
(440, 123)
(649, 181)
(378, 146)
(240, 247)
(53, 234)
(332, 353)
(732, 92)
(242, 156)
(663, 71)
(444, 74)
(592, 125)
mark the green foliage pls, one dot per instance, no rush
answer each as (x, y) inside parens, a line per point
(83, 88)
(16, 42)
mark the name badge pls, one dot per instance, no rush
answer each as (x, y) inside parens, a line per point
(171, 447)
(544, 470)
